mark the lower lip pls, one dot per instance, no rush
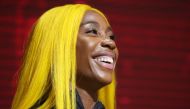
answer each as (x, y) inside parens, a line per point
(106, 65)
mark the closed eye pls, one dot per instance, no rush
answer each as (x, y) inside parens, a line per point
(93, 31)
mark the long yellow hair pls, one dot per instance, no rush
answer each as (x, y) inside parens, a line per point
(49, 64)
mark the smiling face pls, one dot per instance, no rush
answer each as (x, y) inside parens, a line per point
(96, 51)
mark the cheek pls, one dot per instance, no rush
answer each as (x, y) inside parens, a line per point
(82, 56)
(85, 47)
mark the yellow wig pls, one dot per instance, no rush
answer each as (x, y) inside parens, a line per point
(49, 64)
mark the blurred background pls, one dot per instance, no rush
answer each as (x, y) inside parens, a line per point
(153, 37)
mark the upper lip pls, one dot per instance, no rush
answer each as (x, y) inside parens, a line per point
(104, 53)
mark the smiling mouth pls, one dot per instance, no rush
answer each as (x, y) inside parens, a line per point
(105, 60)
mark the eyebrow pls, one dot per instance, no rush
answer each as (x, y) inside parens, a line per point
(89, 22)
(96, 23)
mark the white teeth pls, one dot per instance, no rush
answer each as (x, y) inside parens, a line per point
(105, 59)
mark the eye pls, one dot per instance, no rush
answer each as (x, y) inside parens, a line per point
(112, 37)
(93, 31)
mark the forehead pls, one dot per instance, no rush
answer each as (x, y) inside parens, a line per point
(93, 16)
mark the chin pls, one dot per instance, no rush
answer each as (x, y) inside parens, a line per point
(103, 77)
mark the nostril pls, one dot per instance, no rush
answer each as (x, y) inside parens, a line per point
(108, 44)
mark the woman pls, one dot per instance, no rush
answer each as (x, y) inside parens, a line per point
(70, 56)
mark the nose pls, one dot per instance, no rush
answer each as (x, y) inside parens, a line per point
(108, 43)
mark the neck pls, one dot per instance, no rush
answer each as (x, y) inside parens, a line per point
(88, 97)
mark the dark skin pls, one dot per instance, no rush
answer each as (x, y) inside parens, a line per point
(96, 57)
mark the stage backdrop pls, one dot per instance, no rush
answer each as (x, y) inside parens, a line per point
(153, 37)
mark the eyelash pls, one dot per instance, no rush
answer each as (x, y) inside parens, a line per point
(94, 31)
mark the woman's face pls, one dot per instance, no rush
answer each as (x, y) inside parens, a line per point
(96, 51)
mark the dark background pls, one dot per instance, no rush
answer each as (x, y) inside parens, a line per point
(153, 37)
